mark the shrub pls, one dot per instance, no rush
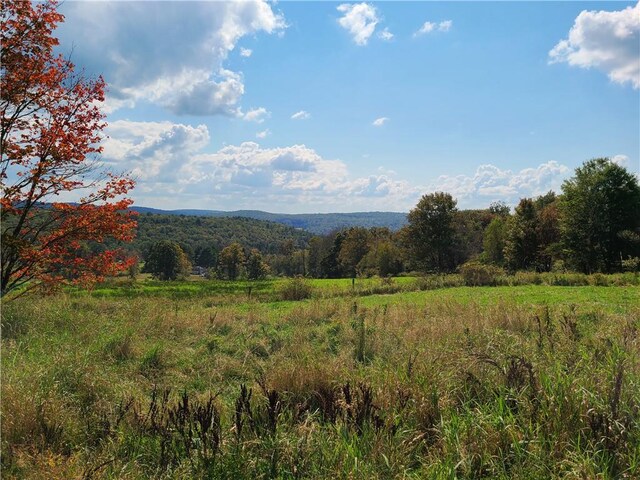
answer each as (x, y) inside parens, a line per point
(628, 278)
(477, 274)
(386, 285)
(296, 288)
(527, 278)
(599, 280)
(571, 280)
(559, 267)
(211, 274)
(631, 264)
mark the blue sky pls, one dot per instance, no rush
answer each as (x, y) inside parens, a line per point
(323, 107)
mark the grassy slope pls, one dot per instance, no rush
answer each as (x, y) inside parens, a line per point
(431, 359)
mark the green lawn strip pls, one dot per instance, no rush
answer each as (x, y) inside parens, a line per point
(609, 299)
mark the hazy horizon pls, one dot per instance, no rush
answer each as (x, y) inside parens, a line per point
(137, 205)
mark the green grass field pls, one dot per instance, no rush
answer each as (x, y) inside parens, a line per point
(530, 381)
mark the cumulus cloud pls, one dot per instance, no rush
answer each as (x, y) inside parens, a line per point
(175, 170)
(604, 40)
(359, 20)
(171, 163)
(301, 115)
(245, 52)
(290, 168)
(175, 55)
(263, 133)
(197, 92)
(622, 160)
(429, 27)
(257, 115)
(445, 26)
(492, 183)
(386, 35)
(378, 122)
(152, 150)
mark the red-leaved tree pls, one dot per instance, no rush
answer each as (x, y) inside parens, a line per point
(51, 129)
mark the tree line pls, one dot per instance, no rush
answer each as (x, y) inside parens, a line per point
(166, 260)
(592, 226)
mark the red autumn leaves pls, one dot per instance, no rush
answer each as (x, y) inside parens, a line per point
(50, 133)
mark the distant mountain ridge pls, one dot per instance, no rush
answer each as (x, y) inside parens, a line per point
(318, 223)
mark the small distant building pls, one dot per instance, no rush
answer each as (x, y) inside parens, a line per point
(200, 271)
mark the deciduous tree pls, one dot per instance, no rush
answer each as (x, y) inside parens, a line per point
(430, 234)
(256, 267)
(493, 241)
(521, 243)
(600, 216)
(50, 132)
(231, 260)
(206, 256)
(167, 261)
(353, 248)
(330, 265)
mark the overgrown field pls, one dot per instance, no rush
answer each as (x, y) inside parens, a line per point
(382, 380)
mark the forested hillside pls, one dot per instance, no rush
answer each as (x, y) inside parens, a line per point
(318, 223)
(191, 232)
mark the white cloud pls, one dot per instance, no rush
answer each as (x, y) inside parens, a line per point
(445, 26)
(175, 170)
(197, 92)
(245, 52)
(175, 55)
(263, 133)
(429, 27)
(621, 160)
(378, 122)
(607, 41)
(359, 20)
(301, 115)
(256, 115)
(386, 35)
(152, 150)
(492, 183)
(170, 164)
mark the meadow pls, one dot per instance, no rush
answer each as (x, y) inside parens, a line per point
(534, 377)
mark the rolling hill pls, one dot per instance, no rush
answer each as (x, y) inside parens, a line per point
(317, 223)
